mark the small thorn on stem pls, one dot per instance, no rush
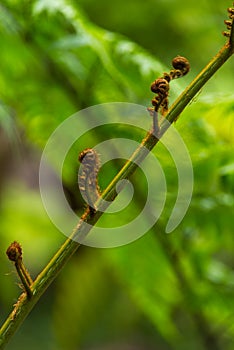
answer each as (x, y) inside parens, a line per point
(14, 253)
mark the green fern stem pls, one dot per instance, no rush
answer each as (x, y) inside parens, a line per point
(24, 305)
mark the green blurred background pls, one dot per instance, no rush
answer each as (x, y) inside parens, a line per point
(162, 291)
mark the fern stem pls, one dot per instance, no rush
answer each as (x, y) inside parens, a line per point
(24, 305)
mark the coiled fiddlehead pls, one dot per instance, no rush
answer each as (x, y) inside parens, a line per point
(87, 178)
(181, 65)
(14, 253)
(161, 88)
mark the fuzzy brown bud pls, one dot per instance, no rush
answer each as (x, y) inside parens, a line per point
(181, 63)
(14, 252)
(160, 86)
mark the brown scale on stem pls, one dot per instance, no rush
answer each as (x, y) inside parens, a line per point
(229, 23)
(231, 12)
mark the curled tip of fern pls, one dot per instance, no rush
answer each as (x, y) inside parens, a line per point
(161, 85)
(14, 251)
(182, 64)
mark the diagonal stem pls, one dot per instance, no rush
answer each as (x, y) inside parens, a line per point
(45, 278)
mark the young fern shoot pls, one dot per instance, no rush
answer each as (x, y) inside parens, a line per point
(161, 88)
(87, 178)
(14, 253)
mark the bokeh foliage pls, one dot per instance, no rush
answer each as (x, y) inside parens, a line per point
(163, 291)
